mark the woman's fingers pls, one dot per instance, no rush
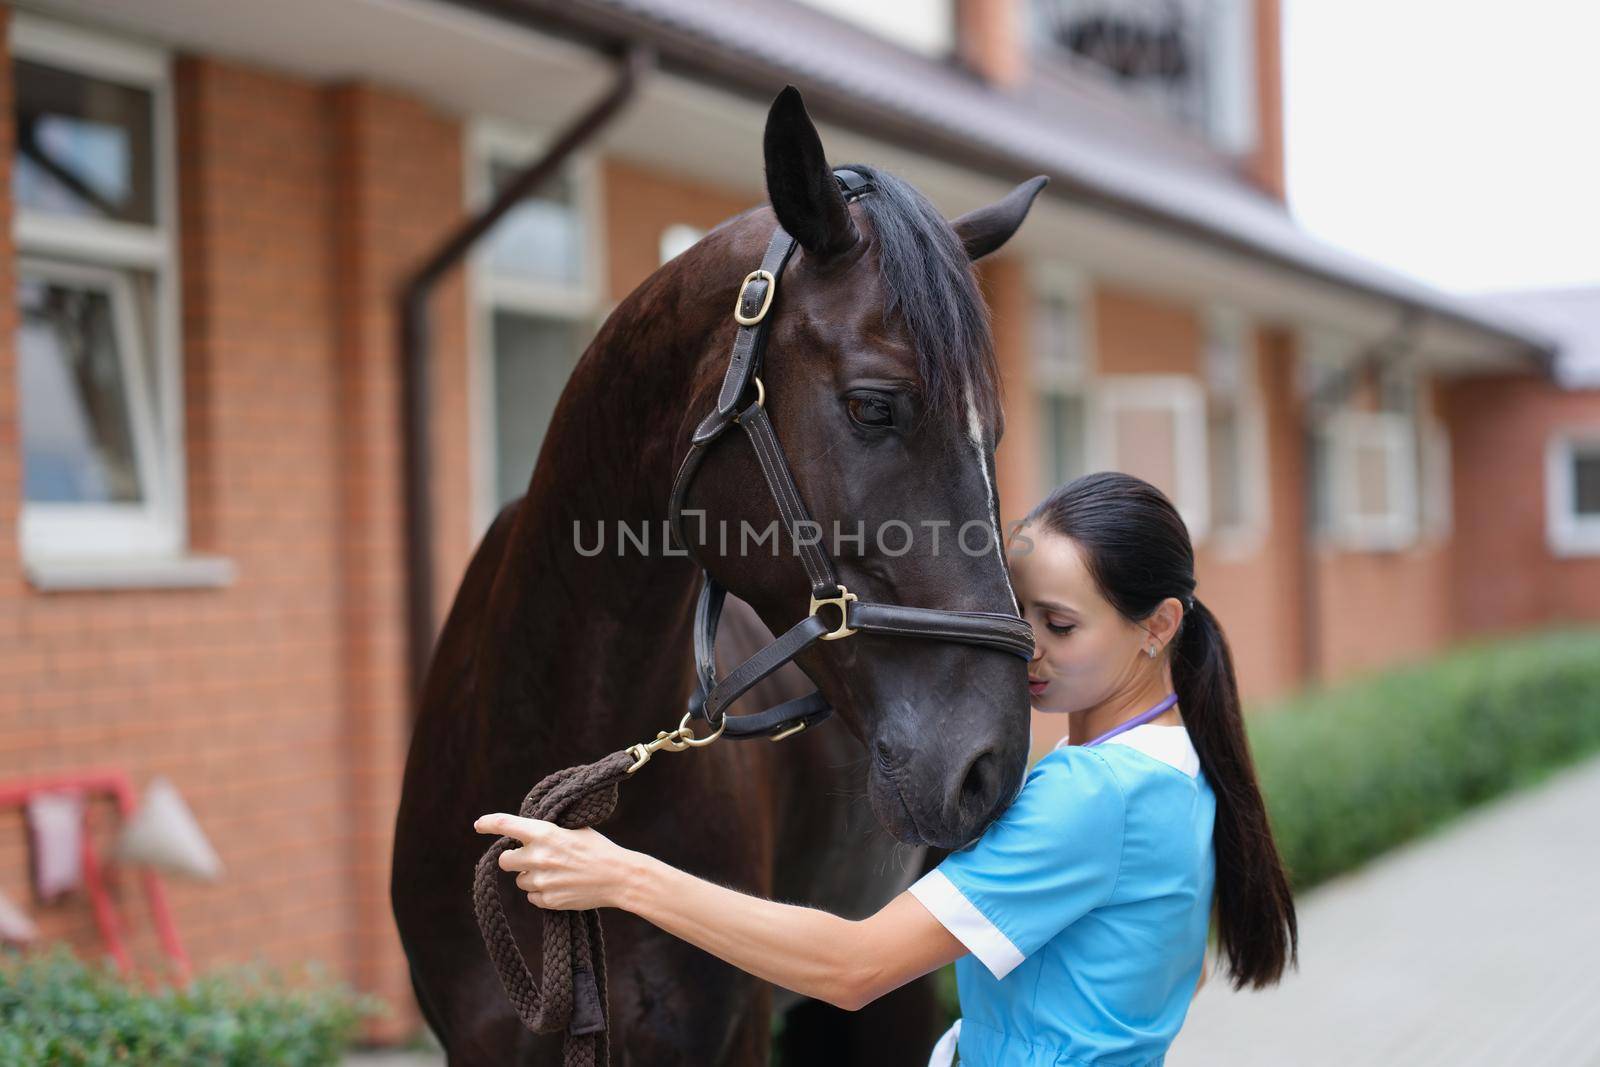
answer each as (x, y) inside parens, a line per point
(525, 830)
(557, 868)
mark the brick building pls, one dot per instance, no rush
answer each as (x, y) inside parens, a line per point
(211, 206)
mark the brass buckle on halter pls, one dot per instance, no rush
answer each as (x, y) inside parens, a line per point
(789, 732)
(840, 602)
(766, 301)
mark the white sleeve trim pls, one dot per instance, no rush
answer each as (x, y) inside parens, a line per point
(969, 925)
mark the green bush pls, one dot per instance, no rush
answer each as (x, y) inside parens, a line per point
(57, 1010)
(1354, 770)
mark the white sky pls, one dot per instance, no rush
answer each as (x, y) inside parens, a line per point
(1454, 140)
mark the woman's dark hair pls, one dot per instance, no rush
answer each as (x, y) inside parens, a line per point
(1137, 549)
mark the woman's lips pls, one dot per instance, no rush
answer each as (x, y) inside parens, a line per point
(1035, 686)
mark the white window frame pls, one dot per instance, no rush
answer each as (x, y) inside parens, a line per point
(82, 529)
(580, 301)
(1395, 433)
(1567, 533)
(1183, 397)
(1064, 281)
(1245, 537)
(55, 536)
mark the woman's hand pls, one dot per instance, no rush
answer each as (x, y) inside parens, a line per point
(560, 869)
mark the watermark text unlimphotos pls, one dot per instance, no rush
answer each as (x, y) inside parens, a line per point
(892, 538)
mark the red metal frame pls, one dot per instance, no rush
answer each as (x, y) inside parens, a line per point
(115, 783)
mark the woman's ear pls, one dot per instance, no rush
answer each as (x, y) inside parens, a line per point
(1162, 624)
(800, 183)
(986, 229)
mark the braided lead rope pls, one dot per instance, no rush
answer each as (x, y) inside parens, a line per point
(570, 992)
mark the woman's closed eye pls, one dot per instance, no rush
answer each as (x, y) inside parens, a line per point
(1060, 628)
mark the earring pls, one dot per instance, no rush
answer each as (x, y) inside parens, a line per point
(1151, 651)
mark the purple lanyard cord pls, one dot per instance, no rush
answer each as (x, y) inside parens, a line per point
(1137, 720)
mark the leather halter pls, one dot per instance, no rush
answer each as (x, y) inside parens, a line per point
(712, 696)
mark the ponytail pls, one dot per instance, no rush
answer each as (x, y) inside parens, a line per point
(1256, 927)
(1138, 550)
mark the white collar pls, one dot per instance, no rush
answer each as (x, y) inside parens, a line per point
(1169, 744)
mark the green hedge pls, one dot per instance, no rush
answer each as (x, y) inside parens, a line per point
(57, 1010)
(1354, 770)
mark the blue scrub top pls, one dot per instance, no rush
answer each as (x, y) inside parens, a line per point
(1085, 907)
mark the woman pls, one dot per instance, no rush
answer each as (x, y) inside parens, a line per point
(1078, 920)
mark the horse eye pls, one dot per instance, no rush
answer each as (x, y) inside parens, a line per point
(870, 411)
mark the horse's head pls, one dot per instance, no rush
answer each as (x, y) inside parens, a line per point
(881, 383)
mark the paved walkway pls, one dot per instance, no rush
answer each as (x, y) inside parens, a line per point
(1480, 945)
(395, 1059)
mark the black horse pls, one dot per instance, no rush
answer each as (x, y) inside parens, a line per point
(882, 385)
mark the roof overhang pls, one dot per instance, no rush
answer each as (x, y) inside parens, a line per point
(1176, 230)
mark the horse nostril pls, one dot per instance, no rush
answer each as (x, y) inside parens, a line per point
(977, 788)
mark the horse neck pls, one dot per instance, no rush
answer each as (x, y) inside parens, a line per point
(590, 652)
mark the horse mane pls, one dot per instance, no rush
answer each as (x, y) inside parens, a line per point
(930, 284)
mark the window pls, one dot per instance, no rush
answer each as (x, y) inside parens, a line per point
(1192, 61)
(1154, 427)
(535, 284)
(1235, 452)
(96, 341)
(1380, 481)
(1372, 479)
(1063, 377)
(1572, 493)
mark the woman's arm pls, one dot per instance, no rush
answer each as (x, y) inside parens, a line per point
(848, 963)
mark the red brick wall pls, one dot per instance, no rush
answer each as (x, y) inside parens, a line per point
(1503, 576)
(1380, 608)
(1265, 165)
(1255, 587)
(1018, 463)
(235, 693)
(989, 40)
(397, 174)
(10, 432)
(277, 704)
(638, 203)
(1136, 333)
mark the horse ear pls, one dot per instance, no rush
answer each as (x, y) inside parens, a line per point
(986, 229)
(800, 183)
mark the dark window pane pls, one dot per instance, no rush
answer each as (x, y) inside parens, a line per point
(1586, 483)
(77, 437)
(1064, 420)
(533, 357)
(1225, 446)
(1058, 339)
(83, 146)
(1150, 50)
